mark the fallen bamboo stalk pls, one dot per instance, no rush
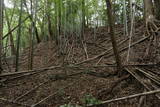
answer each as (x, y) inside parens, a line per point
(100, 75)
(137, 77)
(46, 98)
(109, 50)
(33, 89)
(114, 85)
(150, 75)
(100, 55)
(128, 97)
(20, 97)
(17, 77)
(30, 72)
(23, 75)
(126, 48)
(143, 80)
(14, 102)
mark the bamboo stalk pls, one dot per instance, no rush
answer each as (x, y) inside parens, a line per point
(30, 72)
(46, 98)
(128, 97)
(14, 102)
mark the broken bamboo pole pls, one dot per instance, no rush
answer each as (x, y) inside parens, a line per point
(30, 72)
(14, 102)
(51, 95)
(101, 54)
(127, 97)
(56, 78)
(132, 45)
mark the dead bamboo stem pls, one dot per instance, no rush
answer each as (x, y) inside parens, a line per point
(128, 97)
(102, 54)
(35, 88)
(46, 98)
(14, 102)
(36, 71)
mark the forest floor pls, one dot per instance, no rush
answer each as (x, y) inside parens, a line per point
(59, 86)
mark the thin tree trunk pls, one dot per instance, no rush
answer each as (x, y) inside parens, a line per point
(157, 9)
(37, 35)
(56, 23)
(17, 26)
(18, 37)
(112, 31)
(59, 24)
(148, 9)
(36, 30)
(50, 28)
(1, 33)
(49, 21)
(33, 17)
(30, 60)
(13, 50)
(83, 18)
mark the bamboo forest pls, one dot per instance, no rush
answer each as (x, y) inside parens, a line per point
(79, 53)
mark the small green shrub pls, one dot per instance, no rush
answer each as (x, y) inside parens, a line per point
(66, 105)
(90, 100)
(69, 105)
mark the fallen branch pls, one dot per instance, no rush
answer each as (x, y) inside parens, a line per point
(113, 86)
(105, 52)
(57, 77)
(126, 48)
(127, 97)
(46, 98)
(20, 97)
(100, 75)
(100, 55)
(143, 79)
(31, 72)
(17, 77)
(150, 75)
(14, 102)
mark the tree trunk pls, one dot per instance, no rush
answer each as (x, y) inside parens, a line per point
(13, 50)
(33, 29)
(148, 9)
(1, 33)
(36, 30)
(56, 36)
(50, 28)
(37, 35)
(83, 18)
(59, 25)
(59, 17)
(157, 9)
(49, 21)
(30, 57)
(18, 37)
(112, 34)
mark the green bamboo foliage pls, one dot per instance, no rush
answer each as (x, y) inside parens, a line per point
(57, 19)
